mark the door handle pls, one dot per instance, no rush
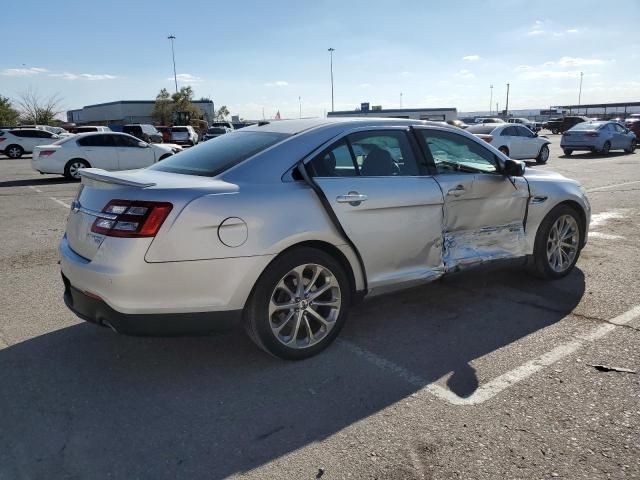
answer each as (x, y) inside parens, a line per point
(352, 198)
(457, 191)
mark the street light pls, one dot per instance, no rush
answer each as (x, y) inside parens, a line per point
(491, 99)
(506, 107)
(580, 91)
(331, 50)
(300, 105)
(173, 56)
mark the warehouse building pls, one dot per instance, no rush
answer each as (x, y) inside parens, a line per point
(433, 114)
(123, 112)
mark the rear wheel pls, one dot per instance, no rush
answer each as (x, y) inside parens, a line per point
(504, 150)
(554, 131)
(558, 243)
(606, 148)
(72, 168)
(567, 151)
(543, 156)
(299, 304)
(14, 151)
(632, 147)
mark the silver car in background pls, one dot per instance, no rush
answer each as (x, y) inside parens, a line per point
(283, 227)
(600, 137)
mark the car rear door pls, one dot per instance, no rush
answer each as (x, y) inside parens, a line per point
(131, 155)
(512, 140)
(99, 150)
(529, 147)
(388, 206)
(483, 209)
(621, 140)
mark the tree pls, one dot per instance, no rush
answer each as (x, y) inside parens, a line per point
(222, 113)
(163, 109)
(37, 109)
(183, 108)
(8, 114)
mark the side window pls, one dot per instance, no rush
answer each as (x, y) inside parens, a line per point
(453, 153)
(125, 141)
(335, 162)
(524, 132)
(619, 128)
(18, 133)
(509, 132)
(383, 154)
(43, 134)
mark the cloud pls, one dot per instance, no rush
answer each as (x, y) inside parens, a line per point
(535, 31)
(277, 83)
(573, 30)
(404, 74)
(578, 62)
(23, 72)
(187, 78)
(465, 74)
(83, 76)
(365, 85)
(533, 74)
(471, 58)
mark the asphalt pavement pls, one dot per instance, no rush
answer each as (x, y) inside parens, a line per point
(487, 374)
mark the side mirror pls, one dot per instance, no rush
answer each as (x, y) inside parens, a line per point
(513, 168)
(55, 136)
(143, 144)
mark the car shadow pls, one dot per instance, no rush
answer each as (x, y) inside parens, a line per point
(595, 155)
(83, 402)
(34, 182)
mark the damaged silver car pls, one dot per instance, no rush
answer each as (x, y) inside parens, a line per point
(284, 226)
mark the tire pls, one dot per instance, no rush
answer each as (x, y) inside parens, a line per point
(554, 131)
(606, 148)
(504, 150)
(166, 155)
(72, 167)
(271, 330)
(543, 156)
(567, 151)
(632, 147)
(544, 263)
(14, 151)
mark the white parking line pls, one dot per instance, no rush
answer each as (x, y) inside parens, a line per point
(504, 381)
(589, 190)
(60, 202)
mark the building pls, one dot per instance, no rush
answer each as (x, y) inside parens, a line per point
(122, 112)
(434, 114)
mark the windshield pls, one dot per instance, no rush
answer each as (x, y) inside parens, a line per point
(483, 129)
(219, 154)
(179, 129)
(588, 126)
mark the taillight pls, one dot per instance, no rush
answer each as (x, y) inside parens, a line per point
(592, 134)
(133, 219)
(2, 139)
(487, 138)
(46, 153)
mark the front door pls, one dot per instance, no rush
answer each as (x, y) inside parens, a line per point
(99, 150)
(483, 209)
(131, 154)
(389, 208)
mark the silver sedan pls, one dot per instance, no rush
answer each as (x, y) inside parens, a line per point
(283, 227)
(598, 137)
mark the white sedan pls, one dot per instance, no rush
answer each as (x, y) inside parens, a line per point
(105, 150)
(515, 141)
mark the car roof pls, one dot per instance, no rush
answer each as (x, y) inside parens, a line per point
(293, 127)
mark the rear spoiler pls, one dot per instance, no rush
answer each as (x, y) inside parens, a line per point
(108, 178)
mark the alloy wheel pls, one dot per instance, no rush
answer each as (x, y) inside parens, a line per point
(74, 169)
(562, 243)
(544, 154)
(304, 306)
(14, 152)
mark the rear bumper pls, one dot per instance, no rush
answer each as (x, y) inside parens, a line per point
(97, 311)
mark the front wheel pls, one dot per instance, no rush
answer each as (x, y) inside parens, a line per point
(299, 304)
(72, 168)
(632, 147)
(567, 151)
(543, 156)
(14, 151)
(558, 244)
(554, 131)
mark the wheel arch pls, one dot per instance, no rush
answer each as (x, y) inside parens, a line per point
(580, 210)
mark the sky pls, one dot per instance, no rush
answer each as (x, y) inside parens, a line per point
(272, 55)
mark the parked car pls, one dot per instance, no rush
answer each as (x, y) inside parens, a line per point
(633, 124)
(144, 132)
(184, 135)
(166, 133)
(105, 150)
(282, 228)
(525, 123)
(16, 142)
(457, 123)
(213, 132)
(600, 137)
(239, 125)
(514, 140)
(562, 124)
(225, 124)
(91, 128)
(489, 120)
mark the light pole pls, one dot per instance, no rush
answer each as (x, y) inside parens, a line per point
(331, 50)
(400, 100)
(300, 104)
(506, 107)
(490, 98)
(580, 90)
(173, 56)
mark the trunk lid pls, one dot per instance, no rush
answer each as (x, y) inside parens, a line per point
(99, 187)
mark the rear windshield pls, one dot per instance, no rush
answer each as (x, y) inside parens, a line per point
(86, 129)
(588, 126)
(179, 129)
(484, 129)
(213, 157)
(216, 130)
